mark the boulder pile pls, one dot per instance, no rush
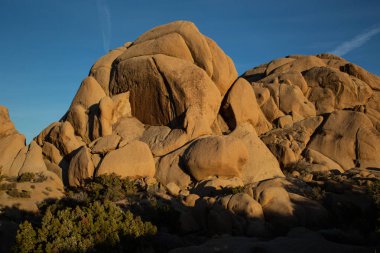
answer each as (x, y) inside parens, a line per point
(171, 107)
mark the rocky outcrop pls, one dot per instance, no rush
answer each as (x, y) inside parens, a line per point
(299, 87)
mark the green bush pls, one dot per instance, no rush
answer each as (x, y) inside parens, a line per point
(31, 177)
(105, 187)
(7, 186)
(94, 227)
(15, 193)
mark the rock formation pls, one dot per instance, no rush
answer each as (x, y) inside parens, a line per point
(170, 106)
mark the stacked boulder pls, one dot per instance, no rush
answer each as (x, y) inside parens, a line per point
(326, 110)
(17, 158)
(168, 105)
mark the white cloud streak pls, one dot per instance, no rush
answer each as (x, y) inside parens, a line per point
(105, 23)
(356, 42)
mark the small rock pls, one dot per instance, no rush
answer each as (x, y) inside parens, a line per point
(173, 188)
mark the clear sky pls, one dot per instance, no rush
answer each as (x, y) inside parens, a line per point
(48, 46)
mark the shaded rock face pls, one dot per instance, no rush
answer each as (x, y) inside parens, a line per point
(297, 88)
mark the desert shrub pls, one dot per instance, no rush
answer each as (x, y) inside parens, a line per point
(31, 177)
(106, 187)
(316, 193)
(238, 189)
(15, 193)
(98, 226)
(7, 186)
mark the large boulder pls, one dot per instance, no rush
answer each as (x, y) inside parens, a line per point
(181, 72)
(261, 163)
(240, 106)
(10, 146)
(216, 156)
(81, 167)
(11, 143)
(304, 86)
(287, 144)
(132, 160)
(349, 139)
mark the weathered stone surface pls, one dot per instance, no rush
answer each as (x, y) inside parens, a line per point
(81, 167)
(346, 91)
(62, 136)
(261, 163)
(6, 126)
(101, 70)
(163, 140)
(105, 144)
(171, 169)
(132, 160)
(287, 144)
(349, 139)
(88, 94)
(241, 106)
(228, 154)
(10, 146)
(243, 204)
(34, 162)
(129, 129)
(318, 158)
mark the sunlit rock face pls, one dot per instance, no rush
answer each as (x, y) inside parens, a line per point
(166, 90)
(296, 88)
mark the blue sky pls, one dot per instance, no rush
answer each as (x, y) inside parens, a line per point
(48, 46)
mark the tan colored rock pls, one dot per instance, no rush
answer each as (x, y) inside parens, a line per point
(78, 118)
(292, 100)
(163, 140)
(105, 144)
(101, 70)
(132, 160)
(277, 207)
(18, 162)
(332, 89)
(193, 38)
(349, 139)
(51, 153)
(354, 70)
(170, 169)
(319, 158)
(172, 44)
(241, 106)
(88, 94)
(173, 189)
(44, 134)
(261, 163)
(34, 162)
(285, 121)
(106, 108)
(10, 146)
(63, 137)
(287, 144)
(244, 205)
(6, 126)
(122, 107)
(228, 154)
(224, 72)
(129, 129)
(81, 167)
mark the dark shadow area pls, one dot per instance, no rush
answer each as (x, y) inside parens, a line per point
(351, 218)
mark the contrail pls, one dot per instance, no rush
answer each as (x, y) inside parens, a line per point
(105, 23)
(356, 42)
